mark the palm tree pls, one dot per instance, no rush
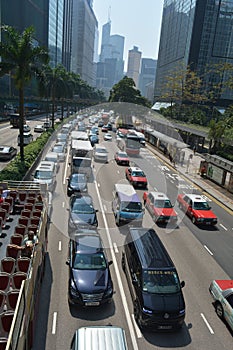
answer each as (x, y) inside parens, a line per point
(23, 60)
(52, 84)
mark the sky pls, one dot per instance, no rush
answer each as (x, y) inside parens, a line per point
(139, 21)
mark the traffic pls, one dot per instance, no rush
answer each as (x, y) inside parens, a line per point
(106, 201)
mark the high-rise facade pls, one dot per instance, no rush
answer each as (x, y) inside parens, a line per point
(196, 34)
(110, 68)
(67, 34)
(147, 77)
(55, 32)
(84, 28)
(24, 13)
(134, 61)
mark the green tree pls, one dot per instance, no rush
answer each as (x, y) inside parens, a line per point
(125, 91)
(23, 60)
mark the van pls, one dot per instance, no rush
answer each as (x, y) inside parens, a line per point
(46, 174)
(126, 205)
(27, 138)
(53, 157)
(153, 281)
(99, 338)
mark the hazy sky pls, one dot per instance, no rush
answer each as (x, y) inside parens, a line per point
(139, 21)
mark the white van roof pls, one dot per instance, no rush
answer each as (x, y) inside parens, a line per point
(126, 189)
(100, 338)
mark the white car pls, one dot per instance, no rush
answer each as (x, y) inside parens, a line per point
(222, 293)
(39, 128)
(108, 137)
(100, 154)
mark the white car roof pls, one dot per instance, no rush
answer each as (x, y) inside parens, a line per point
(195, 197)
(159, 195)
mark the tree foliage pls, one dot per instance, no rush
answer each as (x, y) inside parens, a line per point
(125, 91)
(23, 60)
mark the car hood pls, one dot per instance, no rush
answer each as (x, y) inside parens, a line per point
(80, 218)
(163, 302)
(205, 214)
(165, 211)
(89, 281)
(139, 178)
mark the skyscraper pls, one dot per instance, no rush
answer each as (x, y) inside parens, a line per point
(55, 32)
(110, 69)
(84, 27)
(134, 61)
(196, 34)
(147, 77)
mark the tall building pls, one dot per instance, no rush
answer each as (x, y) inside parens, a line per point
(147, 77)
(24, 13)
(55, 32)
(67, 34)
(196, 34)
(110, 68)
(84, 27)
(134, 61)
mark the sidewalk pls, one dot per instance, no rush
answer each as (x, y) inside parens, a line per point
(191, 172)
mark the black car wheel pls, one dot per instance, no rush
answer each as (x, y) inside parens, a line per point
(219, 310)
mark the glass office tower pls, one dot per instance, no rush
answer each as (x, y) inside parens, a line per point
(55, 33)
(198, 34)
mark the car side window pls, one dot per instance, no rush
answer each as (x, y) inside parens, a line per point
(230, 299)
(186, 199)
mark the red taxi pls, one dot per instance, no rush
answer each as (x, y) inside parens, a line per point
(160, 207)
(136, 177)
(197, 208)
(121, 158)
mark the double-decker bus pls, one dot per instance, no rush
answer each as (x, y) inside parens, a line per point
(18, 321)
(129, 141)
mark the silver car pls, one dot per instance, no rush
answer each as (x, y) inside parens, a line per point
(59, 148)
(100, 154)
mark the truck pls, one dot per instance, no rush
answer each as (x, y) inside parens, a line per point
(21, 320)
(81, 157)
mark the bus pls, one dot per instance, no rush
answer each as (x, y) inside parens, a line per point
(14, 120)
(129, 141)
(20, 326)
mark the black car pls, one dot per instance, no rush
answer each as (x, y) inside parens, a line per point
(90, 282)
(76, 183)
(81, 213)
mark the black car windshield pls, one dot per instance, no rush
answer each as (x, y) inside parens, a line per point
(131, 206)
(82, 208)
(161, 282)
(160, 203)
(78, 178)
(58, 149)
(89, 261)
(201, 206)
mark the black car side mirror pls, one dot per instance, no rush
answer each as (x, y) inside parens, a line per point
(182, 284)
(67, 262)
(110, 262)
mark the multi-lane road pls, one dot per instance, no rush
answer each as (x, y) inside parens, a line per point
(200, 256)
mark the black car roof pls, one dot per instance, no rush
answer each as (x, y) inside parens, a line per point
(150, 249)
(88, 243)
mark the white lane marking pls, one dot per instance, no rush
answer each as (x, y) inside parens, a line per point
(66, 166)
(105, 208)
(115, 247)
(118, 276)
(223, 227)
(59, 246)
(207, 324)
(54, 323)
(98, 184)
(209, 251)
(63, 204)
(139, 334)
